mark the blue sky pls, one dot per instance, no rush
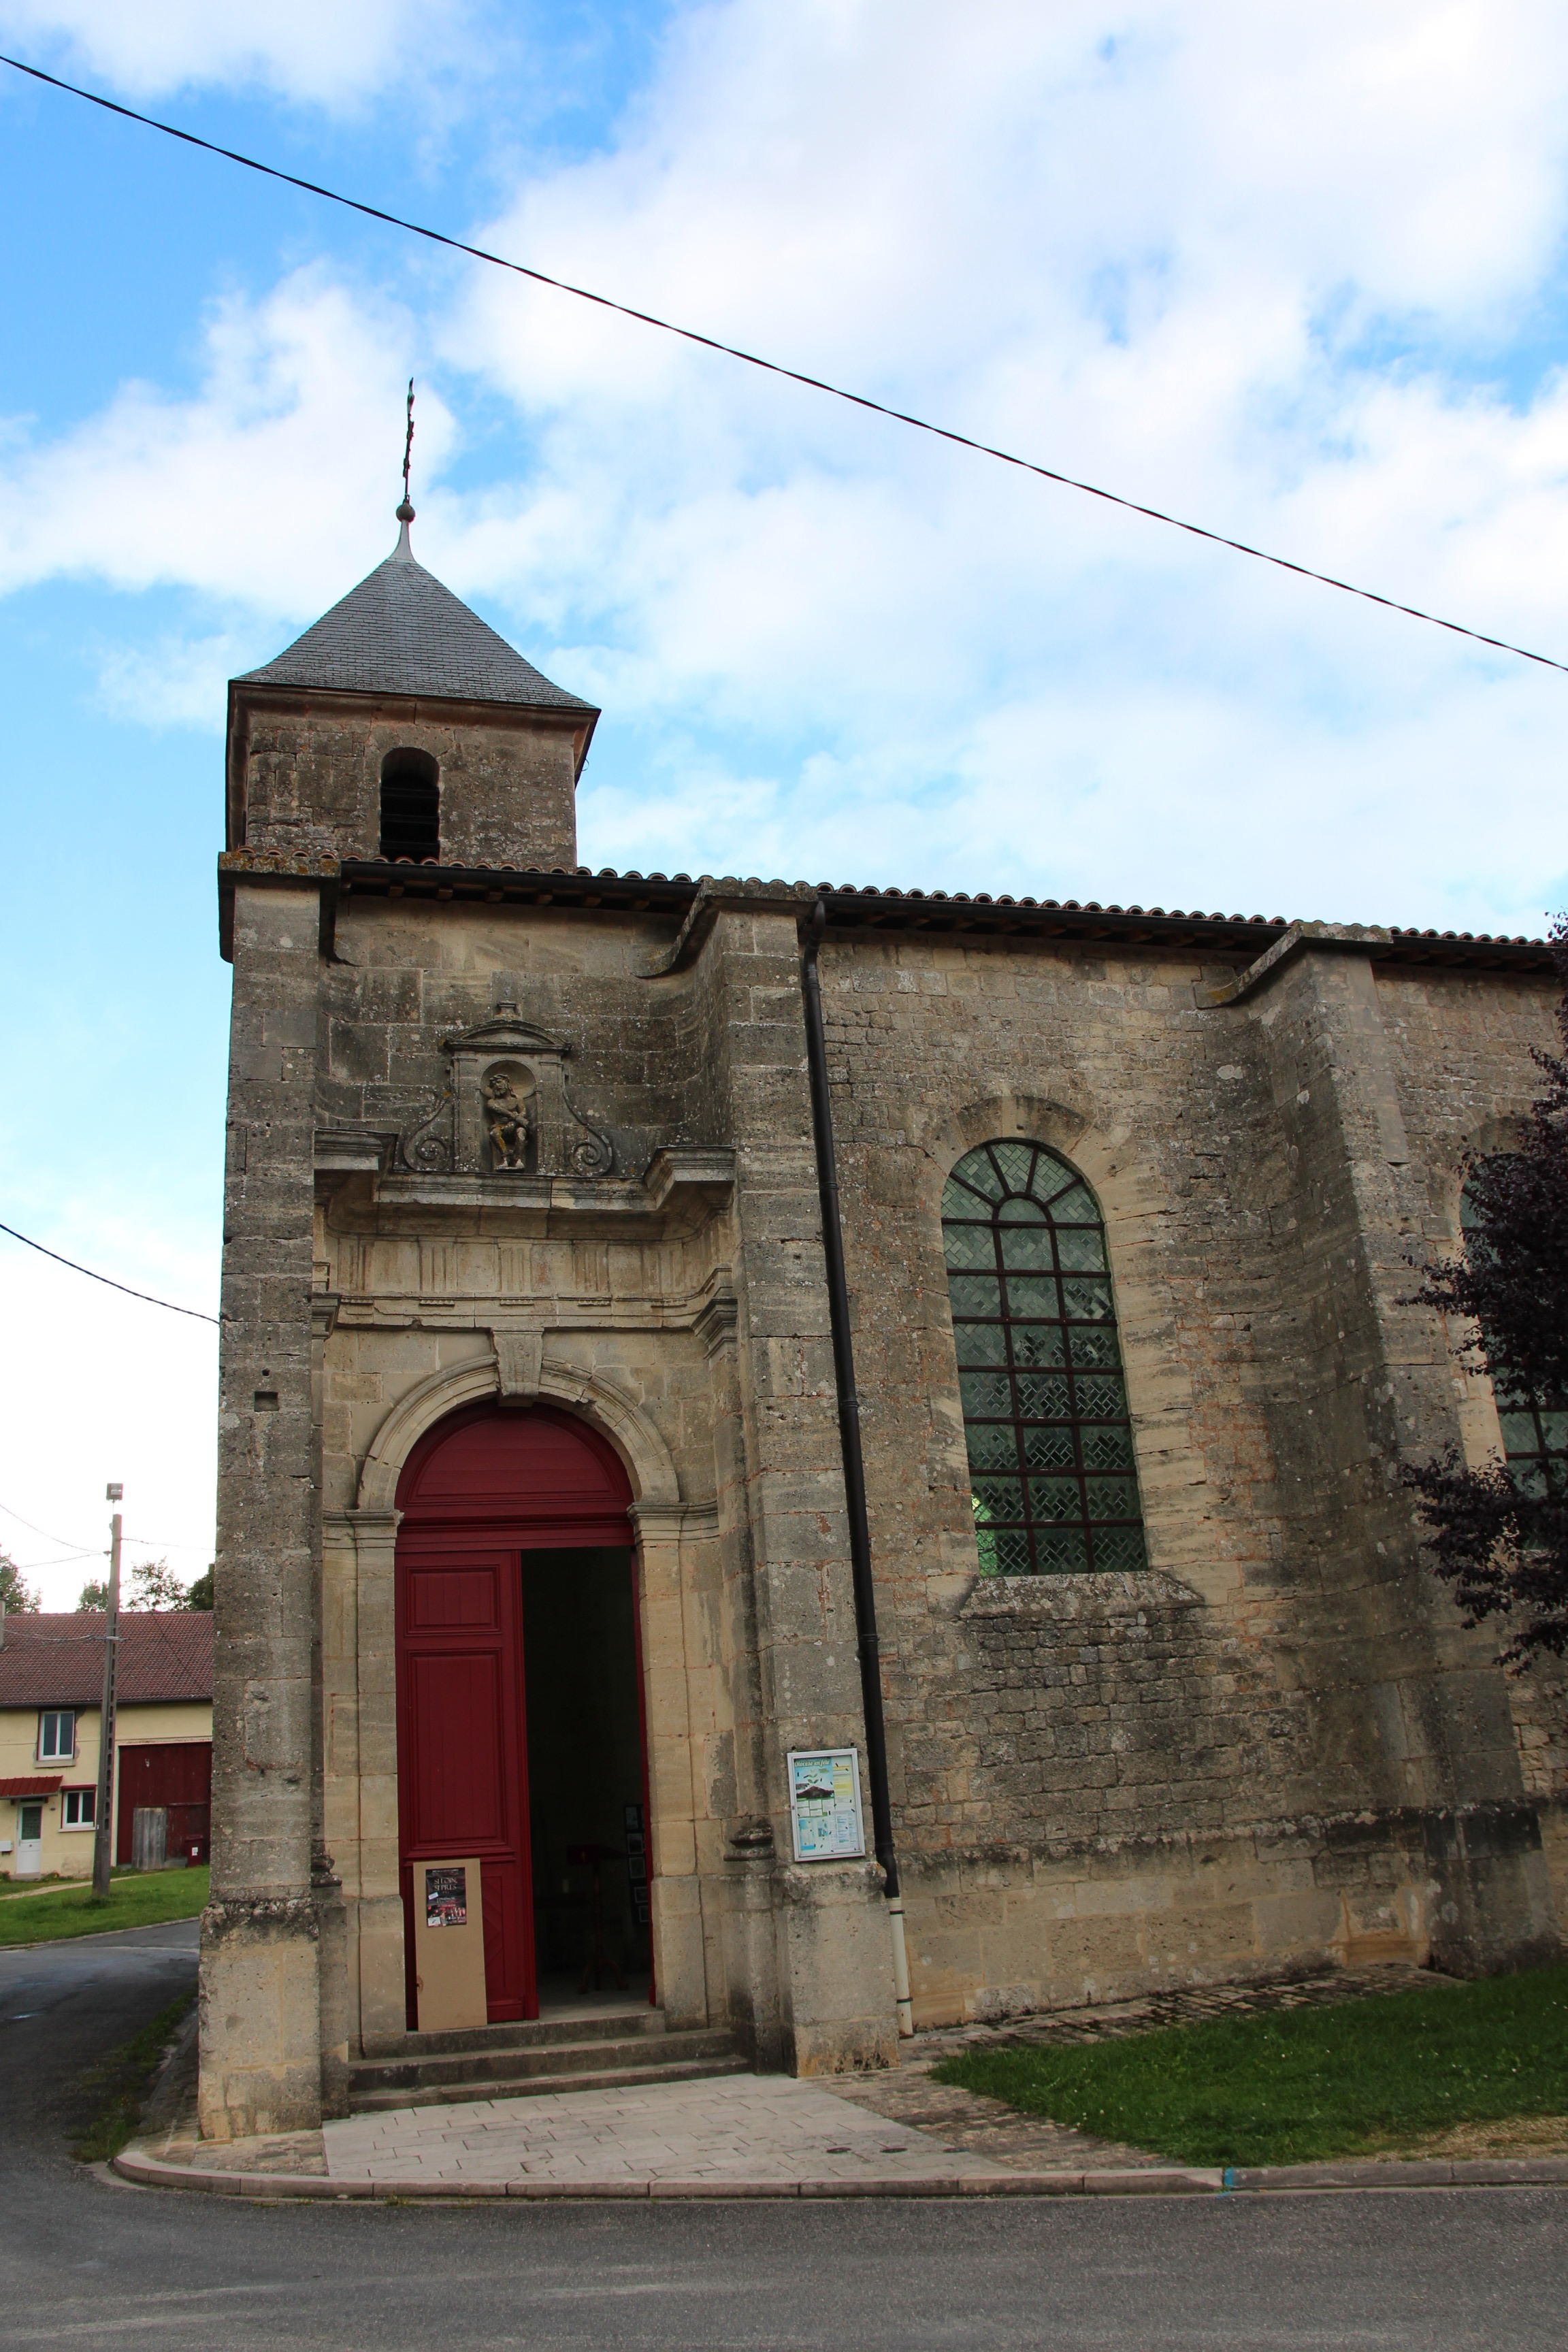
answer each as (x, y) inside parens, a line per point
(1297, 272)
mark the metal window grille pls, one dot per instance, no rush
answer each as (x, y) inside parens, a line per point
(1055, 1487)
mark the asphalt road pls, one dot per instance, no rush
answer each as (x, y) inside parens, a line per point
(83, 2263)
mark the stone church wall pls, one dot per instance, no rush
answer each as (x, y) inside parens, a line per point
(1279, 1744)
(1276, 1744)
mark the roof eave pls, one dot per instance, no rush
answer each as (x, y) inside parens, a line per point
(1246, 937)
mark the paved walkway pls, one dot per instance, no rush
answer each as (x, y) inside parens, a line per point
(749, 2128)
(891, 2134)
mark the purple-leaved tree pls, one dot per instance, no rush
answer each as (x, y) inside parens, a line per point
(1499, 1534)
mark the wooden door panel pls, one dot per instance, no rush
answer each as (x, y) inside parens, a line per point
(462, 1742)
(451, 1599)
(508, 1914)
(456, 1706)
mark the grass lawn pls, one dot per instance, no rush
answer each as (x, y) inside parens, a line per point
(1303, 2085)
(120, 2083)
(137, 1899)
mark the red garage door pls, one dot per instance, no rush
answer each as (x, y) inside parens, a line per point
(177, 1776)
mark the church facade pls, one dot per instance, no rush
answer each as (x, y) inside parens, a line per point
(539, 1498)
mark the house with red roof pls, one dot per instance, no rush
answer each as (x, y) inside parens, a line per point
(52, 1695)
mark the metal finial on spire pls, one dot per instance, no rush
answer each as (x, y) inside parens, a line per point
(405, 512)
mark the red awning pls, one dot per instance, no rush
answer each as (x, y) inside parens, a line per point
(40, 1787)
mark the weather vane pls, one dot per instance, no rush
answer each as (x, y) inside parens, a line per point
(405, 512)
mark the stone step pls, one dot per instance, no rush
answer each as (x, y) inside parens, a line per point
(541, 2033)
(607, 2078)
(514, 2073)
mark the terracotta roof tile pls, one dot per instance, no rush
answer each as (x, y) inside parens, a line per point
(56, 1660)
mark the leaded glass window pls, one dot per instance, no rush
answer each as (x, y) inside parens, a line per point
(1045, 1409)
(1535, 1434)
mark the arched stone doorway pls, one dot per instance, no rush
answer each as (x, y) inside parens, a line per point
(520, 1731)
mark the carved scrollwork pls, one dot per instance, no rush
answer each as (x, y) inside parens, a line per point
(426, 1147)
(595, 1155)
(591, 1152)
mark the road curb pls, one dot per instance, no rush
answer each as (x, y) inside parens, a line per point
(1425, 2172)
(138, 2164)
(149, 2172)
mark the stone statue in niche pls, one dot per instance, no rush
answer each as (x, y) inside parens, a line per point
(509, 1117)
(512, 1113)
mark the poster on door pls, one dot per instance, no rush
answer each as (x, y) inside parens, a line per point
(824, 1804)
(446, 1898)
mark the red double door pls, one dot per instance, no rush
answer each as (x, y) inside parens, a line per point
(476, 1493)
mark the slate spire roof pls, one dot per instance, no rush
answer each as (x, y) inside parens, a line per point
(401, 632)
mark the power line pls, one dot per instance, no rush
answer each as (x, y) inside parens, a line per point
(35, 1531)
(165, 1543)
(194, 1312)
(774, 367)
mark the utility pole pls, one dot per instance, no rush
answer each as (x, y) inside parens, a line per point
(103, 1824)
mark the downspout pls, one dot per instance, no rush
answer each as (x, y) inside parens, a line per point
(854, 1465)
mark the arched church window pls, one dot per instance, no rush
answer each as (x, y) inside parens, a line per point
(1534, 1436)
(1045, 1407)
(411, 806)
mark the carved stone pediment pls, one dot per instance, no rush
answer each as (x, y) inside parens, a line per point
(512, 1115)
(504, 1034)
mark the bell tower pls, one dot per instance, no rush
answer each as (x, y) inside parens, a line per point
(399, 729)
(400, 725)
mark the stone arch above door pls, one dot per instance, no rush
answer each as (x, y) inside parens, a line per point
(599, 1400)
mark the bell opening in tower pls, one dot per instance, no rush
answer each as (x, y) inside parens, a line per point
(411, 807)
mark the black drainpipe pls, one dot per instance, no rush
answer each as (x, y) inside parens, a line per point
(854, 1463)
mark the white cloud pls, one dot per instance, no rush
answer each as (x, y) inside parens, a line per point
(176, 681)
(1153, 247)
(1146, 249)
(1278, 269)
(329, 51)
(266, 486)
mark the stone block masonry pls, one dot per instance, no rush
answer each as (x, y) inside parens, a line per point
(261, 1973)
(1278, 1743)
(1274, 1746)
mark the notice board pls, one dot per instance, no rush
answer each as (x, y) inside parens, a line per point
(450, 1945)
(824, 1804)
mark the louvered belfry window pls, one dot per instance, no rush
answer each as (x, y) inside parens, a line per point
(1045, 1409)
